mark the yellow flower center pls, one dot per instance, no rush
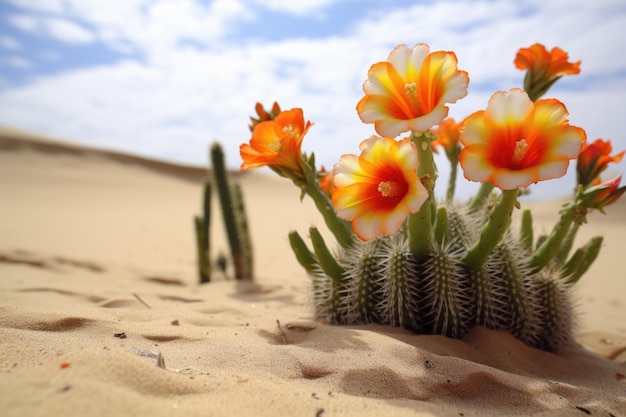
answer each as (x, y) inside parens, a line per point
(275, 146)
(519, 152)
(410, 89)
(389, 189)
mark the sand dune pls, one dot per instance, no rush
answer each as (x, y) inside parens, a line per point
(99, 283)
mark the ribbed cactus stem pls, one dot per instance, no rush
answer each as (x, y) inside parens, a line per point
(494, 229)
(556, 315)
(361, 283)
(229, 213)
(526, 230)
(399, 303)
(582, 259)
(484, 293)
(549, 247)
(247, 257)
(204, 269)
(445, 298)
(203, 234)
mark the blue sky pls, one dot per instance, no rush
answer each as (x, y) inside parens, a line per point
(165, 78)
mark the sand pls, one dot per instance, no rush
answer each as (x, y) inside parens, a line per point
(99, 284)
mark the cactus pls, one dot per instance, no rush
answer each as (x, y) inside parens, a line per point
(203, 237)
(234, 216)
(404, 260)
(235, 222)
(380, 281)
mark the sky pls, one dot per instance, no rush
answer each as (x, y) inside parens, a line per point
(166, 78)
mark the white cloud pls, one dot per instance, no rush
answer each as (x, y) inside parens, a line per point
(23, 22)
(8, 42)
(67, 31)
(297, 8)
(19, 62)
(46, 6)
(178, 99)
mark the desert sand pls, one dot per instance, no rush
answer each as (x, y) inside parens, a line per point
(98, 285)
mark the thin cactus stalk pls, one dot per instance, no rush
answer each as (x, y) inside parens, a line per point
(233, 215)
(203, 236)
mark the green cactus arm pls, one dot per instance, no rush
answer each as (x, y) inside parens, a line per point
(420, 224)
(582, 259)
(494, 229)
(341, 229)
(568, 242)
(442, 226)
(327, 261)
(549, 247)
(526, 230)
(420, 231)
(305, 257)
(479, 198)
(452, 180)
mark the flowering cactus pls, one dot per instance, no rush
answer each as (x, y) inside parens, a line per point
(405, 259)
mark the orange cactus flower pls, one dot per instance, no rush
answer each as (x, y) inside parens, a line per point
(410, 90)
(543, 67)
(515, 142)
(610, 195)
(326, 181)
(447, 136)
(593, 159)
(277, 143)
(377, 190)
(545, 64)
(263, 115)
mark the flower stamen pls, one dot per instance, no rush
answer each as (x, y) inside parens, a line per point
(521, 146)
(275, 146)
(410, 89)
(389, 188)
(290, 130)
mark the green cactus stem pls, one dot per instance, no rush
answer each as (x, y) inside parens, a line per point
(494, 229)
(582, 259)
(304, 256)
(481, 196)
(526, 231)
(327, 261)
(242, 230)
(550, 246)
(442, 227)
(341, 229)
(420, 224)
(568, 242)
(203, 238)
(230, 214)
(204, 269)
